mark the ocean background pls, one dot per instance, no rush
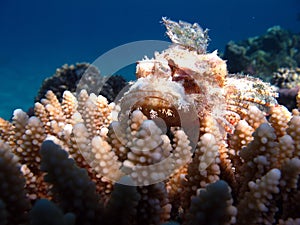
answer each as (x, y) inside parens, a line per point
(36, 37)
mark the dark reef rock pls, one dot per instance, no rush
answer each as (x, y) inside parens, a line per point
(288, 82)
(112, 87)
(287, 97)
(81, 76)
(263, 55)
(65, 78)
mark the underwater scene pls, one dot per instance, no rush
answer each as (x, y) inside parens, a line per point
(150, 113)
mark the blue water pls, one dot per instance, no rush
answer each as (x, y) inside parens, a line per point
(36, 37)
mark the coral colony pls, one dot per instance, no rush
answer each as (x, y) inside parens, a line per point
(187, 143)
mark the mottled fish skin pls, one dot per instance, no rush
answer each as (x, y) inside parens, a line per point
(191, 36)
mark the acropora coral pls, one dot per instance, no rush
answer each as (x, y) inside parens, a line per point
(187, 144)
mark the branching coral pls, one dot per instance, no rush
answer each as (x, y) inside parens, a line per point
(46, 212)
(256, 207)
(72, 187)
(190, 144)
(212, 205)
(13, 201)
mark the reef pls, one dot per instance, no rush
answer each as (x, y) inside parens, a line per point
(74, 77)
(286, 78)
(187, 143)
(263, 55)
(288, 82)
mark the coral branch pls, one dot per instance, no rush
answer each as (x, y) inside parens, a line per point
(71, 185)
